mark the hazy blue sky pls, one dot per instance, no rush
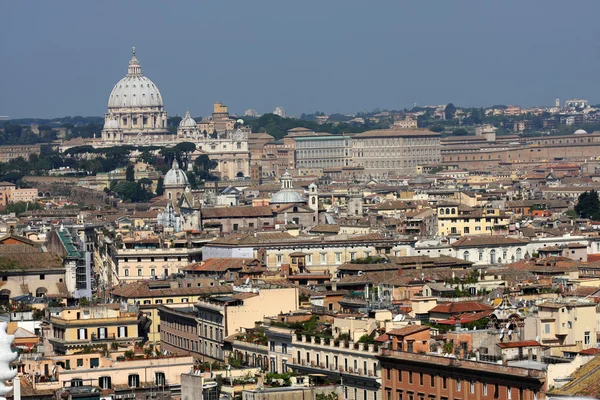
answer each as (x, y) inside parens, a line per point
(63, 57)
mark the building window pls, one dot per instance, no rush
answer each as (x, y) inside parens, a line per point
(547, 328)
(432, 380)
(139, 272)
(338, 258)
(323, 258)
(122, 331)
(484, 388)
(105, 382)
(133, 380)
(82, 334)
(279, 259)
(126, 272)
(152, 272)
(466, 256)
(480, 255)
(472, 386)
(509, 393)
(160, 379)
(309, 259)
(458, 384)
(586, 337)
(80, 362)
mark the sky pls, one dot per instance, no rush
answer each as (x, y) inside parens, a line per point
(62, 58)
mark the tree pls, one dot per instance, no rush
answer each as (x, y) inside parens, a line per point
(460, 132)
(185, 148)
(145, 183)
(436, 128)
(147, 157)
(160, 189)
(449, 111)
(203, 165)
(130, 173)
(588, 205)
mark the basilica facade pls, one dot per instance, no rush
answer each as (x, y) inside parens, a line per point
(136, 116)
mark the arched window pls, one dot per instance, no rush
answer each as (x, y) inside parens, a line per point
(454, 211)
(41, 292)
(493, 257)
(447, 211)
(519, 255)
(466, 256)
(441, 211)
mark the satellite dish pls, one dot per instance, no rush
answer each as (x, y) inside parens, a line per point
(537, 338)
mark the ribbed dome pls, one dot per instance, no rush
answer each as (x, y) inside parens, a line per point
(287, 196)
(135, 90)
(187, 121)
(175, 176)
(580, 132)
(111, 124)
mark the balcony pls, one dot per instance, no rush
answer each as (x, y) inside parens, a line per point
(332, 369)
(95, 338)
(130, 319)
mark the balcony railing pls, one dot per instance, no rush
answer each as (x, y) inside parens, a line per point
(334, 368)
(96, 337)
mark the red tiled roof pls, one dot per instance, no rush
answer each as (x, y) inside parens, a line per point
(466, 318)
(460, 307)
(408, 330)
(241, 211)
(590, 352)
(524, 343)
(218, 264)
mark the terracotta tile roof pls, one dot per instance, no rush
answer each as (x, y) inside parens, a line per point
(142, 289)
(218, 264)
(460, 307)
(585, 381)
(487, 241)
(395, 133)
(466, 318)
(233, 212)
(524, 343)
(326, 228)
(592, 351)
(408, 330)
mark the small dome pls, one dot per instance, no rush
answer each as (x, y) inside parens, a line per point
(287, 196)
(580, 132)
(175, 176)
(111, 124)
(187, 121)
